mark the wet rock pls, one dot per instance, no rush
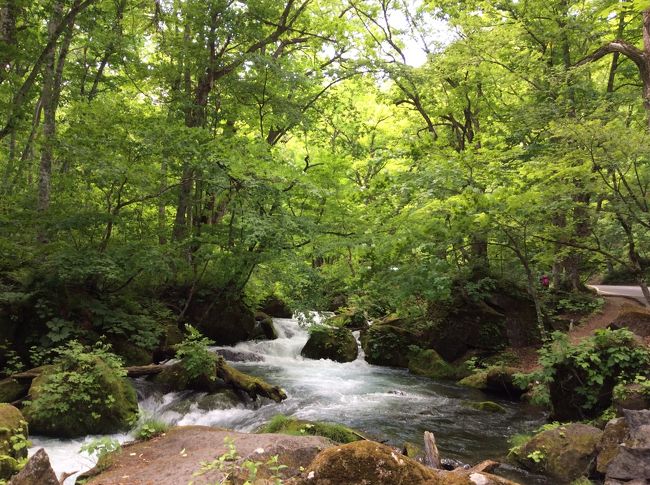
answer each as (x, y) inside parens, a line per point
(428, 363)
(13, 429)
(265, 325)
(337, 344)
(78, 416)
(567, 452)
(614, 434)
(488, 406)
(275, 307)
(239, 355)
(222, 399)
(37, 471)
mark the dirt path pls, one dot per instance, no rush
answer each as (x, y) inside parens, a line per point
(527, 356)
(610, 311)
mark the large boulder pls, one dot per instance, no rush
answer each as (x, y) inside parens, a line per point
(337, 344)
(631, 461)
(566, 453)
(630, 396)
(370, 463)
(13, 389)
(275, 307)
(159, 461)
(428, 363)
(388, 343)
(13, 440)
(37, 471)
(176, 378)
(102, 404)
(614, 434)
(219, 315)
(465, 323)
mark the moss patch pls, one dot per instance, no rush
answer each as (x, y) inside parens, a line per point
(428, 363)
(488, 406)
(477, 380)
(298, 427)
(337, 344)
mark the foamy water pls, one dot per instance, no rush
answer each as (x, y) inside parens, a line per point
(385, 403)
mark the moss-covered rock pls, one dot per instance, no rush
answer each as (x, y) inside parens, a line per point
(387, 343)
(631, 396)
(130, 353)
(333, 343)
(428, 363)
(487, 406)
(370, 463)
(501, 381)
(615, 433)
(299, 427)
(477, 380)
(505, 316)
(13, 440)
(12, 389)
(567, 452)
(103, 402)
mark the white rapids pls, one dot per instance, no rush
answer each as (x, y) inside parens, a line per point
(385, 403)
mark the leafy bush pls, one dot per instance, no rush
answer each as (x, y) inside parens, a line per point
(194, 354)
(83, 391)
(598, 363)
(150, 428)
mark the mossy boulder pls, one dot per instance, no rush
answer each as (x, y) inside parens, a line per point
(130, 353)
(505, 315)
(298, 427)
(101, 402)
(388, 343)
(332, 343)
(13, 433)
(487, 406)
(12, 389)
(370, 463)
(615, 433)
(566, 453)
(477, 380)
(428, 363)
(631, 396)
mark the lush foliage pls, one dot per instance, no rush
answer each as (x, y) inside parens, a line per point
(607, 358)
(150, 428)
(194, 354)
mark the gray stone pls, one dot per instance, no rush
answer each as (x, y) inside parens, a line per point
(37, 471)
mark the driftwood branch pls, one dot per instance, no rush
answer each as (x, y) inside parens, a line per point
(431, 454)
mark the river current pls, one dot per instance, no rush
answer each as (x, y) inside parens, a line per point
(384, 403)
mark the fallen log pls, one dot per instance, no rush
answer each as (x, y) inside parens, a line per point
(253, 386)
(144, 370)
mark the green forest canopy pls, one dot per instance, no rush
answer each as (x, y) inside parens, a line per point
(288, 147)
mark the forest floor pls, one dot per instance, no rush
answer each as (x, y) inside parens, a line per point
(527, 356)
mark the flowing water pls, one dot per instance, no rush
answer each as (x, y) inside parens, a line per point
(386, 404)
